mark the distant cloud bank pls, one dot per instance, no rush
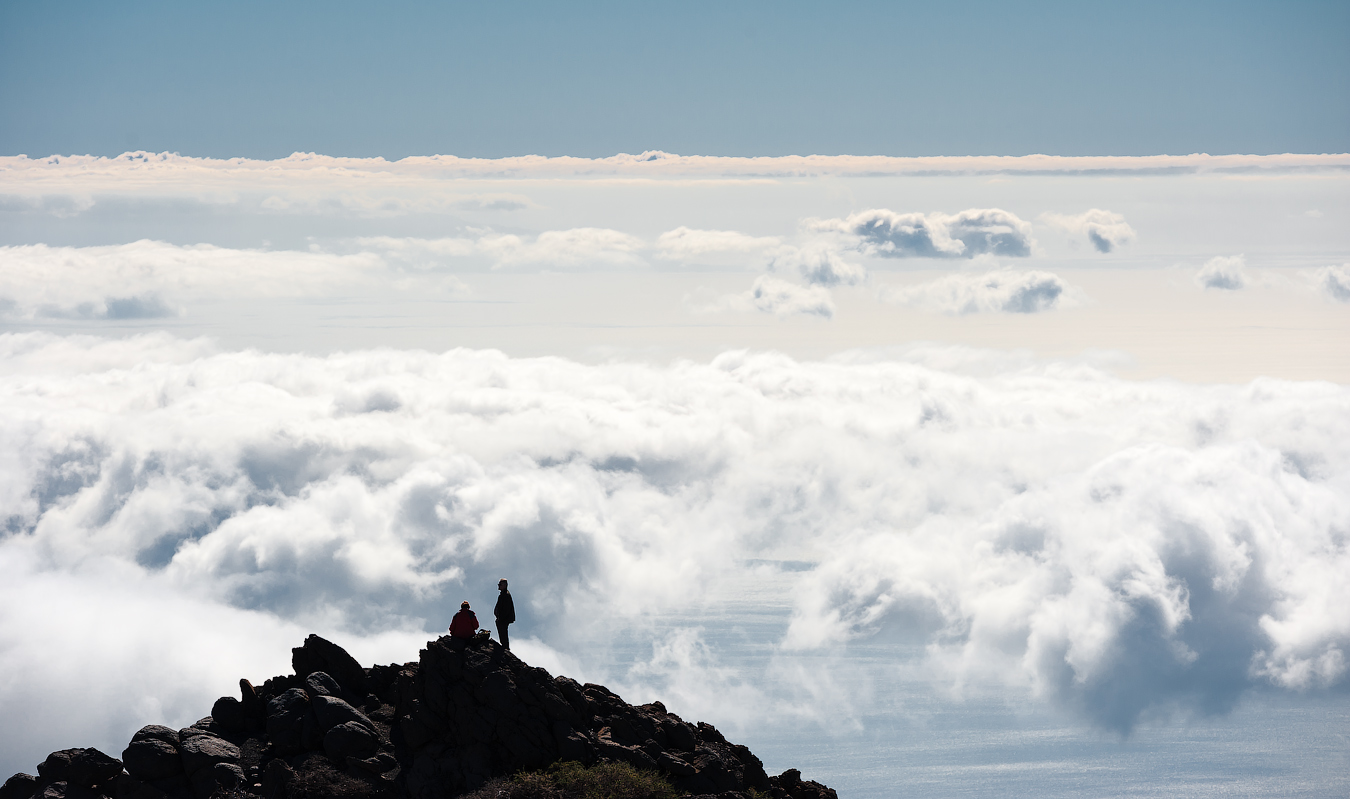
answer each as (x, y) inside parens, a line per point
(172, 166)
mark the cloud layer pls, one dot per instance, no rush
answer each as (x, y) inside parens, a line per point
(1122, 548)
(83, 173)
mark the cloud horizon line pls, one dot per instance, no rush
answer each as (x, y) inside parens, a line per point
(657, 163)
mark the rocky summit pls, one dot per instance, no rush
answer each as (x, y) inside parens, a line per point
(467, 712)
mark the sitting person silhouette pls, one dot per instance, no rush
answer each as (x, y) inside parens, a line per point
(465, 623)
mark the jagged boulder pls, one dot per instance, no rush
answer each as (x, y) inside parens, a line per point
(205, 751)
(287, 716)
(330, 711)
(19, 786)
(153, 754)
(83, 767)
(68, 773)
(228, 712)
(350, 739)
(790, 785)
(320, 654)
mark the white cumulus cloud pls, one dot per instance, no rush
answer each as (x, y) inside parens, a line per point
(713, 246)
(573, 249)
(1105, 230)
(1003, 290)
(779, 297)
(1223, 272)
(1334, 281)
(977, 231)
(817, 263)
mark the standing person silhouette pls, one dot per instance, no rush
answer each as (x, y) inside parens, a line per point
(505, 611)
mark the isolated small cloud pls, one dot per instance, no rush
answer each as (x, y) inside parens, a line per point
(495, 202)
(688, 244)
(978, 231)
(781, 298)
(415, 249)
(573, 249)
(1003, 290)
(1223, 272)
(817, 263)
(771, 295)
(147, 306)
(1105, 230)
(1334, 281)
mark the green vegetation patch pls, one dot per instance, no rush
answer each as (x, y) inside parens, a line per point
(571, 780)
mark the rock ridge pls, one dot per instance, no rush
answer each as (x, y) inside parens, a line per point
(464, 713)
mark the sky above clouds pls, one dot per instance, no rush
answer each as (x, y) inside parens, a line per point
(263, 80)
(947, 395)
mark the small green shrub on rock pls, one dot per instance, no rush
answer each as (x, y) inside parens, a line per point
(571, 780)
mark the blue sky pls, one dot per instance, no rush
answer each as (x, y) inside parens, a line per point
(263, 80)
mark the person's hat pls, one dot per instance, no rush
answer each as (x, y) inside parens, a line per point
(464, 604)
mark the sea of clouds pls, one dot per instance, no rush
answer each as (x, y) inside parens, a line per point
(781, 547)
(176, 516)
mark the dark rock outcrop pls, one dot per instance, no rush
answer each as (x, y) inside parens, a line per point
(467, 712)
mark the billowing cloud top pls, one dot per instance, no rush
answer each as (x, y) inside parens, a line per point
(1121, 548)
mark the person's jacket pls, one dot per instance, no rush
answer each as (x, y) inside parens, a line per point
(505, 611)
(464, 624)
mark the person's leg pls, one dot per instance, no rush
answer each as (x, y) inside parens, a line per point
(501, 633)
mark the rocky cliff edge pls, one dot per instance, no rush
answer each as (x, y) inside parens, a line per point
(466, 712)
